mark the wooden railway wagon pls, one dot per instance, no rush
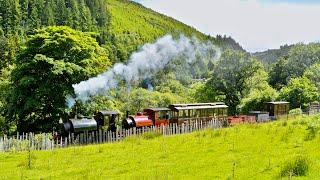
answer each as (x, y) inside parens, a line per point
(314, 107)
(277, 109)
(184, 113)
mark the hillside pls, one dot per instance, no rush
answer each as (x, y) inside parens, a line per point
(133, 25)
(121, 26)
(256, 151)
(272, 55)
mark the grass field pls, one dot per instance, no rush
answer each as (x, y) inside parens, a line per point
(256, 151)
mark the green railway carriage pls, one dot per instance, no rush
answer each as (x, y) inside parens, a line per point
(184, 113)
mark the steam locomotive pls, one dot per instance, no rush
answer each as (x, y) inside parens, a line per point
(175, 113)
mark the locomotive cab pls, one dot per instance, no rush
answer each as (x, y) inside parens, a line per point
(159, 116)
(107, 120)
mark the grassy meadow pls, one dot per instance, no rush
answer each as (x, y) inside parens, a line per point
(254, 151)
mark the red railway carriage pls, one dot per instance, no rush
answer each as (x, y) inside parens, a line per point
(159, 116)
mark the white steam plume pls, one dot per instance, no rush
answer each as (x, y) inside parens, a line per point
(144, 63)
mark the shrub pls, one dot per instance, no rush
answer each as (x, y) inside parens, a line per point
(313, 129)
(296, 111)
(299, 166)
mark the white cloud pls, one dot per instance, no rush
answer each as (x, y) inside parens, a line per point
(256, 25)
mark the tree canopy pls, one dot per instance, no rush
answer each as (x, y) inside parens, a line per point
(230, 76)
(300, 92)
(53, 60)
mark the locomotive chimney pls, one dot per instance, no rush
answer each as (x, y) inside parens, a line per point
(127, 114)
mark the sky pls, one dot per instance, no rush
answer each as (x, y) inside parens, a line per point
(257, 25)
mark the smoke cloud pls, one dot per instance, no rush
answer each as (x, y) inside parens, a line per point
(148, 60)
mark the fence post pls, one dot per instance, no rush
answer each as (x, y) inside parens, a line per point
(1, 143)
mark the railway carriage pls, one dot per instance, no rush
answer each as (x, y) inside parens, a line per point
(186, 113)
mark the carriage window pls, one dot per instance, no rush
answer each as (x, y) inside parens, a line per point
(182, 113)
(211, 112)
(205, 113)
(106, 120)
(173, 114)
(225, 112)
(164, 115)
(195, 113)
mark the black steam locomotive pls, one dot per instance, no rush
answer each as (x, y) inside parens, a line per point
(105, 120)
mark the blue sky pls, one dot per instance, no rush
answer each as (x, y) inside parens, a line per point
(256, 24)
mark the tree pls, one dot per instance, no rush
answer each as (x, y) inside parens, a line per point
(10, 15)
(313, 74)
(301, 57)
(48, 13)
(299, 92)
(53, 60)
(230, 76)
(140, 98)
(201, 93)
(279, 74)
(4, 88)
(257, 93)
(4, 50)
(34, 20)
(62, 13)
(85, 19)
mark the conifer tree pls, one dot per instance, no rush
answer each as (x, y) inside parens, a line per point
(61, 13)
(49, 10)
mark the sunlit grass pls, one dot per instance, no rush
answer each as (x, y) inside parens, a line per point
(255, 151)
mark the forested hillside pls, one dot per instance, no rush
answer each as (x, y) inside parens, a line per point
(121, 25)
(272, 55)
(133, 25)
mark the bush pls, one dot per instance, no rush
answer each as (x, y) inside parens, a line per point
(299, 166)
(313, 129)
(296, 111)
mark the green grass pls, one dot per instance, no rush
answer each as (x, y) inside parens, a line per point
(256, 151)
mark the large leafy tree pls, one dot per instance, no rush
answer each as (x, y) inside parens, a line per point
(299, 92)
(258, 92)
(231, 75)
(300, 57)
(313, 73)
(279, 74)
(54, 59)
(4, 86)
